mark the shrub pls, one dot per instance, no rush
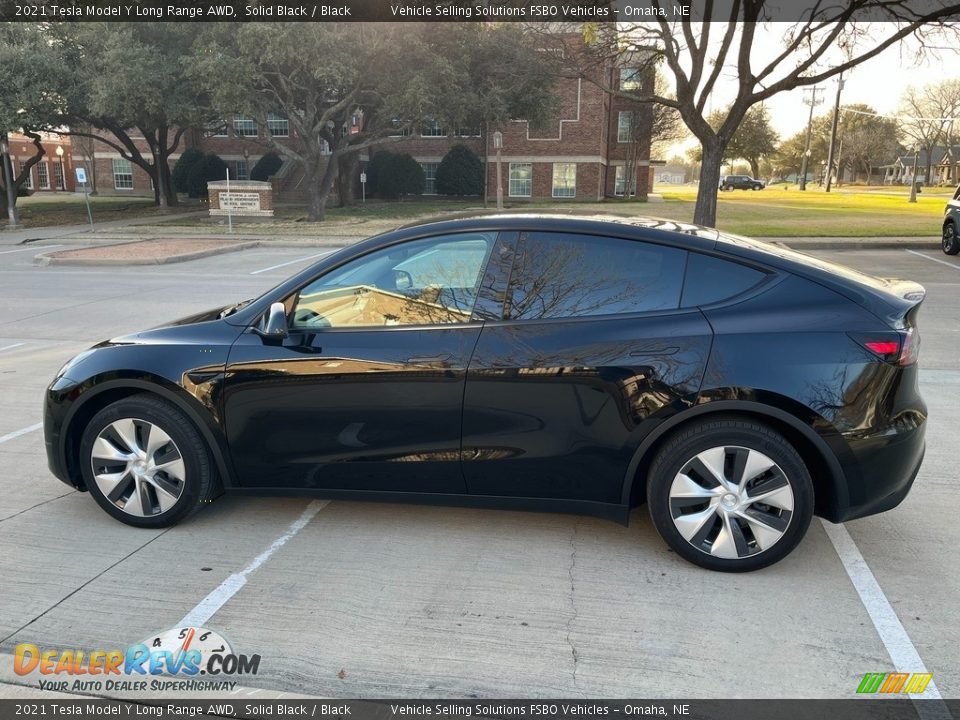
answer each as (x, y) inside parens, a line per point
(460, 172)
(210, 167)
(181, 170)
(266, 166)
(391, 175)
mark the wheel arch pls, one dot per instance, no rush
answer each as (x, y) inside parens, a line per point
(829, 480)
(103, 394)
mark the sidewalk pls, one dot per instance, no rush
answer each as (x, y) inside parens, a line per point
(17, 237)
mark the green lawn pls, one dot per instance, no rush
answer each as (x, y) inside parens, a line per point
(69, 209)
(787, 212)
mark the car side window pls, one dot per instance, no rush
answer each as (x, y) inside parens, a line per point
(422, 282)
(559, 275)
(710, 279)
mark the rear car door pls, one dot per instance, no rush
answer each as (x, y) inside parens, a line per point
(591, 346)
(365, 393)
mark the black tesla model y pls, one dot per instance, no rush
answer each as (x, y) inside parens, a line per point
(526, 361)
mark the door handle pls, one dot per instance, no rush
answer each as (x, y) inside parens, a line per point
(442, 357)
(650, 351)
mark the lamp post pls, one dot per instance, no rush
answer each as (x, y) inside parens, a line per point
(13, 219)
(63, 177)
(498, 144)
(833, 134)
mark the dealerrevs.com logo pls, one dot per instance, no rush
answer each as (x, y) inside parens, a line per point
(173, 660)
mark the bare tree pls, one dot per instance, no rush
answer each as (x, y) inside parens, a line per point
(696, 56)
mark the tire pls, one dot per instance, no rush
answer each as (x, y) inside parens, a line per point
(951, 240)
(756, 187)
(728, 188)
(722, 527)
(143, 478)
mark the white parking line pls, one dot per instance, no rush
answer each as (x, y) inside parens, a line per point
(26, 249)
(11, 347)
(17, 433)
(891, 631)
(936, 260)
(205, 609)
(292, 262)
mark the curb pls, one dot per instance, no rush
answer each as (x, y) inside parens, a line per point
(50, 259)
(802, 244)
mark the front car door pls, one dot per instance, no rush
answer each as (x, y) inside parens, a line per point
(591, 346)
(366, 391)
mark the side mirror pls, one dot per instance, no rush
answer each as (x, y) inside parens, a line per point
(273, 326)
(402, 280)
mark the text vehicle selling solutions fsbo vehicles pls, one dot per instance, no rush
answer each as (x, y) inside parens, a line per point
(523, 361)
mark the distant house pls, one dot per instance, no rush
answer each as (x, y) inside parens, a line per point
(944, 165)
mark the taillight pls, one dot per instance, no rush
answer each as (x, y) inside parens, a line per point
(900, 347)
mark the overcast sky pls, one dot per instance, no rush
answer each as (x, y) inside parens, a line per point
(878, 82)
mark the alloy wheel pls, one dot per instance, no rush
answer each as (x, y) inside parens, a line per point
(949, 237)
(731, 502)
(138, 467)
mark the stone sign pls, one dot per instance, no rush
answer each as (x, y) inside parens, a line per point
(246, 198)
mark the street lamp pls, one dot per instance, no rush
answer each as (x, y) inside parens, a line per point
(13, 219)
(498, 144)
(63, 177)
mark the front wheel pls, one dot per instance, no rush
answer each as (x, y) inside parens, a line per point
(730, 494)
(728, 187)
(951, 240)
(145, 463)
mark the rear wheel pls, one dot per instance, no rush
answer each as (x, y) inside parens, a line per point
(728, 187)
(145, 463)
(730, 494)
(951, 240)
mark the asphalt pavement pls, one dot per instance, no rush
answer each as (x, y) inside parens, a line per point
(375, 600)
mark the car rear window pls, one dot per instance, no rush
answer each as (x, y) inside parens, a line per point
(710, 279)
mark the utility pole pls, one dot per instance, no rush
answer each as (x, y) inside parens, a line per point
(833, 135)
(913, 176)
(813, 100)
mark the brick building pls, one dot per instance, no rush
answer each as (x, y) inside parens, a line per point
(584, 153)
(54, 173)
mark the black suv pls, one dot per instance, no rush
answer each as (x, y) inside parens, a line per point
(528, 361)
(741, 182)
(951, 225)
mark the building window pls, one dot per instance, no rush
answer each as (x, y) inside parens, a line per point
(521, 179)
(278, 125)
(620, 182)
(28, 180)
(217, 129)
(430, 173)
(245, 127)
(433, 129)
(43, 174)
(399, 128)
(564, 180)
(241, 171)
(625, 126)
(468, 132)
(58, 175)
(122, 174)
(629, 79)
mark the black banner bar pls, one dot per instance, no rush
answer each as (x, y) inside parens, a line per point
(290, 709)
(623, 11)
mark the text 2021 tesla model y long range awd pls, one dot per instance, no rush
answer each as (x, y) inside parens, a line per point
(523, 361)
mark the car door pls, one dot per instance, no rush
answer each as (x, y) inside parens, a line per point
(591, 346)
(366, 391)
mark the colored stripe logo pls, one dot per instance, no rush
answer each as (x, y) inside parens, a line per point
(892, 683)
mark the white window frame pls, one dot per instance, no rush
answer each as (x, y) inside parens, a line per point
(435, 130)
(278, 126)
(430, 175)
(59, 175)
(113, 163)
(243, 121)
(564, 192)
(630, 79)
(43, 175)
(624, 128)
(620, 182)
(218, 131)
(467, 132)
(513, 183)
(242, 170)
(28, 181)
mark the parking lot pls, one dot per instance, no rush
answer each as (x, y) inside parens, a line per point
(379, 600)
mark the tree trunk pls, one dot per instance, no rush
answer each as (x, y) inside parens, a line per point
(706, 209)
(754, 167)
(345, 177)
(319, 188)
(164, 170)
(160, 185)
